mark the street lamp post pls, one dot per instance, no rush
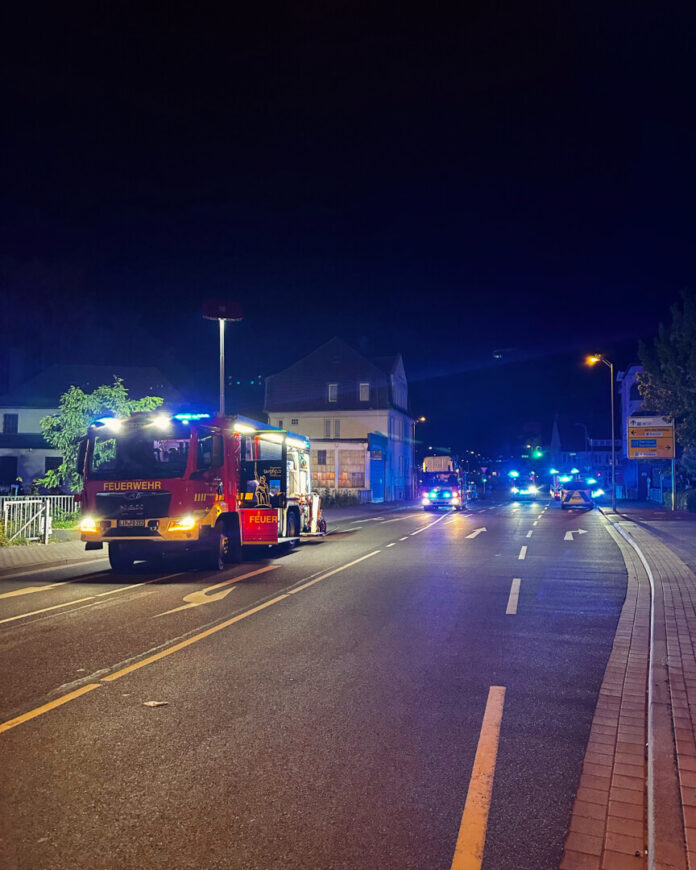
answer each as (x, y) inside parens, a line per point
(214, 309)
(592, 360)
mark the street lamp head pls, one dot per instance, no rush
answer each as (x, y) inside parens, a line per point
(593, 359)
(420, 419)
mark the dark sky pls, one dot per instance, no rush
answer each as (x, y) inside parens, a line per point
(436, 183)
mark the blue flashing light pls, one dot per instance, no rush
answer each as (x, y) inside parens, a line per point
(186, 418)
(513, 474)
(432, 494)
(564, 478)
(597, 492)
(591, 480)
(575, 471)
(553, 471)
(447, 494)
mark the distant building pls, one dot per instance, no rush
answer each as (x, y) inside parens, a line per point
(23, 451)
(355, 412)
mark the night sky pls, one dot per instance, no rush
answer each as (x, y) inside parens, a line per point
(437, 184)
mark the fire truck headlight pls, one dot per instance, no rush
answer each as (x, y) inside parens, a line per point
(182, 524)
(426, 500)
(88, 524)
(455, 499)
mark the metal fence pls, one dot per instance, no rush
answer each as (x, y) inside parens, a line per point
(32, 517)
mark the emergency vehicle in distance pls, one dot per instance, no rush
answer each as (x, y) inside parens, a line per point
(441, 484)
(156, 483)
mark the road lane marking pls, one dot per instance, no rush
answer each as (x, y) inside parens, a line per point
(44, 610)
(468, 853)
(203, 596)
(535, 522)
(393, 544)
(331, 573)
(399, 519)
(28, 590)
(477, 532)
(511, 608)
(530, 533)
(569, 535)
(434, 522)
(405, 538)
(190, 640)
(38, 711)
(523, 553)
(88, 598)
(23, 570)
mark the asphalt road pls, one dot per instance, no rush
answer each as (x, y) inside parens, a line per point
(323, 711)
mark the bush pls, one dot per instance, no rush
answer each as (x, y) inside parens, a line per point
(331, 498)
(66, 520)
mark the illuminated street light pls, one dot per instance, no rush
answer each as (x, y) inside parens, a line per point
(591, 360)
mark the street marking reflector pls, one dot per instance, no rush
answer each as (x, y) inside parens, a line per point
(468, 853)
(523, 553)
(511, 608)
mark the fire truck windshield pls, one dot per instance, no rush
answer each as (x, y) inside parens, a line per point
(137, 453)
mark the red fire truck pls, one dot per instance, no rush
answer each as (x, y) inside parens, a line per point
(157, 482)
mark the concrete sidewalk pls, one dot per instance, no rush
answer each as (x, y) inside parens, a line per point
(638, 785)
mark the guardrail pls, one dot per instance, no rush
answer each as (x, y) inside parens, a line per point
(31, 517)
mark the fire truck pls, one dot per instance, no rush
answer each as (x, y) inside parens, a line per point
(158, 483)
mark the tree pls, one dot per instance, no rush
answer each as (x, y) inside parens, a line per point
(78, 410)
(668, 380)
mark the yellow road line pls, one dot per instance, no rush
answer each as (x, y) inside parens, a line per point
(331, 573)
(45, 609)
(468, 853)
(191, 640)
(511, 609)
(12, 723)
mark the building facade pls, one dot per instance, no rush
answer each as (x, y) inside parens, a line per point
(24, 453)
(354, 411)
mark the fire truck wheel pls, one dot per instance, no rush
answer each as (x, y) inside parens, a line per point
(234, 545)
(292, 525)
(120, 558)
(216, 556)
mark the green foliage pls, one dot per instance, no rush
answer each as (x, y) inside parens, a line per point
(78, 410)
(668, 381)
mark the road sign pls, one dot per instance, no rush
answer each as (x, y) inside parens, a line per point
(650, 438)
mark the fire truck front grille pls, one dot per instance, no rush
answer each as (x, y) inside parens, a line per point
(132, 505)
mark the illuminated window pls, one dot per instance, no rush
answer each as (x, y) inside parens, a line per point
(333, 392)
(364, 392)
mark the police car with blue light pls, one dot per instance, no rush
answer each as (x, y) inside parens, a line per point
(579, 493)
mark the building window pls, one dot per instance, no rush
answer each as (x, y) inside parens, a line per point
(333, 392)
(52, 462)
(364, 392)
(321, 457)
(279, 424)
(294, 421)
(337, 428)
(327, 427)
(9, 423)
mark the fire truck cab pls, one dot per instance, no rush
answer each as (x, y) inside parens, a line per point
(158, 483)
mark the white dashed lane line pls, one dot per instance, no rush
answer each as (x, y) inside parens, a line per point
(530, 533)
(523, 553)
(511, 608)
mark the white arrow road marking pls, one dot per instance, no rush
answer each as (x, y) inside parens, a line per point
(196, 599)
(569, 535)
(477, 532)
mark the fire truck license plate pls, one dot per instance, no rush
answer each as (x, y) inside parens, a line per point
(131, 522)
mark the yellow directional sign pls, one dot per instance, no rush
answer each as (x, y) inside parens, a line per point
(650, 438)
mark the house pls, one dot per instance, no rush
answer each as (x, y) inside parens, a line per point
(355, 412)
(24, 452)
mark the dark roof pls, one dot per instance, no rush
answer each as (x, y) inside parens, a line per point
(45, 389)
(303, 385)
